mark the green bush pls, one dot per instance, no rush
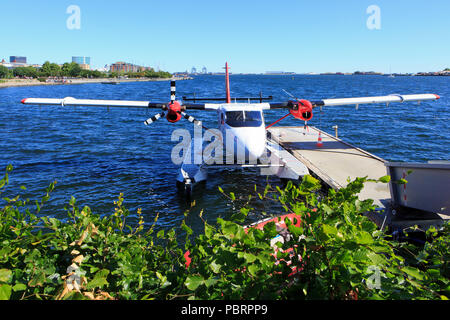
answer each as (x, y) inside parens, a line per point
(337, 252)
(5, 73)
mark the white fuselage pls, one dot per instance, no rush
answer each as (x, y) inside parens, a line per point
(242, 126)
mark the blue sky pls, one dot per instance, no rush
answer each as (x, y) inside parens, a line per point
(253, 36)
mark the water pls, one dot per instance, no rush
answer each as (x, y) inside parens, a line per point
(95, 155)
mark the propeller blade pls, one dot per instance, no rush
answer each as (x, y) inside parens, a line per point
(191, 119)
(154, 118)
(173, 91)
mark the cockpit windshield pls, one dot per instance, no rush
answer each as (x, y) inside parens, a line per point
(244, 118)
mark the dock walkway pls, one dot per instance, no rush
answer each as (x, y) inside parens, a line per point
(336, 162)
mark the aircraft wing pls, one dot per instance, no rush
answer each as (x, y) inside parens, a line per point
(361, 100)
(69, 101)
(379, 99)
(200, 106)
(73, 102)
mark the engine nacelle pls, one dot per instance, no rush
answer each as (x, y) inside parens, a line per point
(174, 113)
(301, 109)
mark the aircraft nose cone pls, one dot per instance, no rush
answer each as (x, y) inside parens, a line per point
(255, 150)
(252, 142)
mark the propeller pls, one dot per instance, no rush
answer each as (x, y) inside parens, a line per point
(299, 109)
(174, 110)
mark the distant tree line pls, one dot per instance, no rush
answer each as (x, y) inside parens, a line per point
(73, 70)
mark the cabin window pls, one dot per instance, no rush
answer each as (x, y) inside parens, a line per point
(244, 118)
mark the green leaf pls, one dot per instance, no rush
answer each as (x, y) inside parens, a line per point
(38, 280)
(296, 231)
(364, 237)
(310, 183)
(74, 295)
(253, 269)
(209, 231)
(186, 228)
(270, 229)
(193, 282)
(249, 257)
(229, 228)
(215, 267)
(160, 234)
(210, 282)
(385, 179)
(329, 230)
(5, 291)
(413, 272)
(5, 275)
(99, 280)
(240, 233)
(377, 259)
(19, 287)
(238, 217)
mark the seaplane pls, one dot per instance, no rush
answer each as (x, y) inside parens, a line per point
(241, 139)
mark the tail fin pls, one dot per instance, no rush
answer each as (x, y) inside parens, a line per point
(227, 83)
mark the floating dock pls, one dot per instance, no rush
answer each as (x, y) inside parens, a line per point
(337, 163)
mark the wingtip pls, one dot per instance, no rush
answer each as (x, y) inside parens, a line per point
(437, 97)
(23, 101)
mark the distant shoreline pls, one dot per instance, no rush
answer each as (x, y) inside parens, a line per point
(34, 82)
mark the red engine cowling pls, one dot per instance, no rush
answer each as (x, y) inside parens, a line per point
(301, 109)
(174, 113)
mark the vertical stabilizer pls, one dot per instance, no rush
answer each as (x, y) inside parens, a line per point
(227, 83)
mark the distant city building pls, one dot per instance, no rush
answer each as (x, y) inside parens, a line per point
(17, 59)
(83, 62)
(367, 73)
(126, 67)
(204, 70)
(278, 72)
(194, 70)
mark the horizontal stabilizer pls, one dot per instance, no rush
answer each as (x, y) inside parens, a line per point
(260, 99)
